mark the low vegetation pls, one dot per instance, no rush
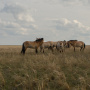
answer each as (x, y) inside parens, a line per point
(49, 71)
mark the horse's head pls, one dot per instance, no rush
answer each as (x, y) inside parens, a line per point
(65, 43)
(39, 41)
(68, 44)
(61, 44)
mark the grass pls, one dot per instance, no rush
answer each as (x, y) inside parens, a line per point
(48, 71)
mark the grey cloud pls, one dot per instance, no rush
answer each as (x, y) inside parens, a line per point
(69, 2)
(19, 13)
(18, 21)
(21, 24)
(71, 26)
(15, 28)
(15, 9)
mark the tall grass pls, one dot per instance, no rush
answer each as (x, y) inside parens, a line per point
(48, 71)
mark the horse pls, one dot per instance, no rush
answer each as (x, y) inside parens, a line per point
(76, 43)
(61, 46)
(32, 44)
(48, 44)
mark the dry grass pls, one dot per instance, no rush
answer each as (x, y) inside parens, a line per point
(48, 71)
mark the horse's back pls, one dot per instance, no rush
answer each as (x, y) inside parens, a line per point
(79, 43)
(30, 44)
(26, 43)
(46, 43)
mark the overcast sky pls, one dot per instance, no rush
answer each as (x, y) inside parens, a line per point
(54, 20)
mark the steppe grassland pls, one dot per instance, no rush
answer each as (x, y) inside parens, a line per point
(48, 71)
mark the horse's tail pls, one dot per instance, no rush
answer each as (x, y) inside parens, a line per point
(23, 49)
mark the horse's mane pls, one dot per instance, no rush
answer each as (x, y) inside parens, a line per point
(39, 39)
(73, 40)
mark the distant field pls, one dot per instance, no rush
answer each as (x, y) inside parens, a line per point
(49, 71)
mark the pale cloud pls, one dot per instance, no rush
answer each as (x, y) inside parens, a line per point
(69, 2)
(25, 17)
(25, 20)
(22, 22)
(74, 26)
(7, 24)
(75, 2)
(65, 29)
(81, 27)
(62, 21)
(22, 31)
(14, 28)
(14, 9)
(18, 12)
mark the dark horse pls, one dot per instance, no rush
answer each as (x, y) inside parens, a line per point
(76, 43)
(32, 44)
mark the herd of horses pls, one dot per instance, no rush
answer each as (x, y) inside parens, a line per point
(59, 45)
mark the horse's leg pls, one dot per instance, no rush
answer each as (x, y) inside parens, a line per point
(43, 50)
(83, 47)
(52, 49)
(21, 51)
(49, 47)
(36, 50)
(62, 50)
(74, 49)
(80, 48)
(56, 47)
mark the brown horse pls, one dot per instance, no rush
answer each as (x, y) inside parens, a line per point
(76, 43)
(48, 44)
(32, 44)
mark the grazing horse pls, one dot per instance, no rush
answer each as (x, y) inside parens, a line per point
(61, 46)
(32, 44)
(76, 43)
(48, 44)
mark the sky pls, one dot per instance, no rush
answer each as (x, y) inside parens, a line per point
(54, 20)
